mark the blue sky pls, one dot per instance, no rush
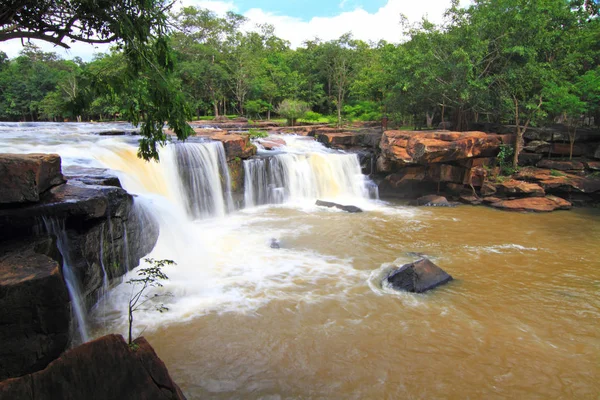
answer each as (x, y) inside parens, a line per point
(299, 20)
(307, 9)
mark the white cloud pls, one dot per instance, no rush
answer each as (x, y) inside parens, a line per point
(382, 24)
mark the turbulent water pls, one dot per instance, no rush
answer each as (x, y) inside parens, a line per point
(311, 320)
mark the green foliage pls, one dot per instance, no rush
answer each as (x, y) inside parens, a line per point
(257, 133)
(554, 172)
(312, 116)
(148, 277)
(363, 111)
(292, 110)
(504, 160)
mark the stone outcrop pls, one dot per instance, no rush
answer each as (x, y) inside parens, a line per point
(101, 232)
(24, 177)
(34, 306)
(535, 204)
(561, 165)
(106, 368)
(559, 182)
(402, 148)
(418, 277)
(350, 209)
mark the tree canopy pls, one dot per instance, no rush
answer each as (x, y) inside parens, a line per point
(517, 62)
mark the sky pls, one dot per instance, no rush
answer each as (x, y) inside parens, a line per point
(297, 20)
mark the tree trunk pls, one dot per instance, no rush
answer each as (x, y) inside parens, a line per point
(130, 324)
(429, 119)
(339, 107)
(572, 137)
(519, 134)
(216, 108)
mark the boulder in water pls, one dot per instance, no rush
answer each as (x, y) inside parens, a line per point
(418, 277)
(433, 200)
(350, 209)
(275, 244)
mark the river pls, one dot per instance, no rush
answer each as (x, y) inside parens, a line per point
(312, 320)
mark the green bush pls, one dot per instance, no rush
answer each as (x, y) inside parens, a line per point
(504, 160)
(363, 111)
(292, 110)
(257, 133)
(312, 116)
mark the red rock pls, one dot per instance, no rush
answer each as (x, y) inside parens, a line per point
(561, 165)
(106, 368)
(562, 182)
(408, 147)
(236, 146)
(562, 149)
(593, 165)
(23, 177)
(271, 143)
(536, 204)
(515, 187)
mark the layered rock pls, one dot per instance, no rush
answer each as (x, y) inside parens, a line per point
(535, 204)
(101, 232)
(24, 177)
(106, 368)
(34, 306)
(402, 148)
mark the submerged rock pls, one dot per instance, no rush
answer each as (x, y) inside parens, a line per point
(418, 277)
(275, 244)
(434, 200)
(350, 209)
(106, 368)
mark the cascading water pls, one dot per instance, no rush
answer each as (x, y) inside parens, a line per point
(307, 171)
(57, 228)
(204, 183)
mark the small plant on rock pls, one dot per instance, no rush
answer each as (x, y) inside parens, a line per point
(504, 159)
(554, 172)
(148, 278)
(256, 133)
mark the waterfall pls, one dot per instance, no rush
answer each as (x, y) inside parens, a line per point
(204, 183)
(315, 175)
(57, 228)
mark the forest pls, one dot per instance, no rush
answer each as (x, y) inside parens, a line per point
(520, 62)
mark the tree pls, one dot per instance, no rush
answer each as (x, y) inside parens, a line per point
(148, 277)
(292, 110)
(138, 27)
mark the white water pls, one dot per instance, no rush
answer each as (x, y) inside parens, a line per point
(224, 263)
(57, 228)
(304, 170)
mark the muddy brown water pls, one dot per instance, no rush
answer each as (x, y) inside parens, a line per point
(521, 319)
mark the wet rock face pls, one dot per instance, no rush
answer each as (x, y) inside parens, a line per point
(104, 229)
(24, 177)
(418, 277)
(106, 368)
(34, 307)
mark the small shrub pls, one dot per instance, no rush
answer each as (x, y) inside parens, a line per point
(257, 133)
(504, 159)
